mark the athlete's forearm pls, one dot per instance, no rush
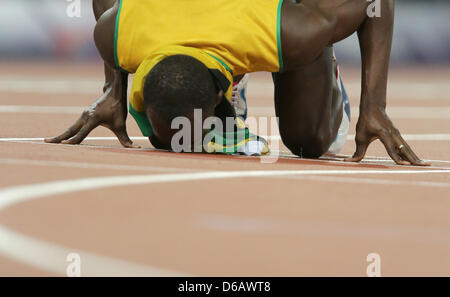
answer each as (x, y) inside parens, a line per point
(375, 37)
(116, 84)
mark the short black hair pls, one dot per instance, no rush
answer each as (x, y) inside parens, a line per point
(177, 85)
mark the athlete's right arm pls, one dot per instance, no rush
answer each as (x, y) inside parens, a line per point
(110, 110)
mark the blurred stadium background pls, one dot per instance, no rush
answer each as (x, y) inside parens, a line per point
(41, 29)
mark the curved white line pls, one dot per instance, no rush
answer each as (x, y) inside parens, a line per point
(50, 257)
(14, 195)
(91, 165)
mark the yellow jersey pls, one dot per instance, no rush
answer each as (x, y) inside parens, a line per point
(243, 34)
(231, 36)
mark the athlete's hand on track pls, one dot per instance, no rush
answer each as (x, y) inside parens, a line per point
(107, 112)
(375, 124)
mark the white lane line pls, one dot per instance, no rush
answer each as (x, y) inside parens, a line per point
(339, 159)
(85, 145)
(84, 165)
(257, 87)
(383, 159)
(367, 159)
(21, 84)
(326, 229)
(397, 89)
(19, 194)
(14, 195)
(419, 137)
(397, 112)
(106, 138)
(416, 112)
(371, 181)
(407, 137)
(404, 90)
(50, 257)
(40, 141)
(41, 109)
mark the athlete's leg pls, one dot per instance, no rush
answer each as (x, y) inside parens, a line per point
(308, 102)
(308, 27)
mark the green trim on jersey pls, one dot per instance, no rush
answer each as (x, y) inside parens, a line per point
(143, 123)
(116, 37)
(280, 48)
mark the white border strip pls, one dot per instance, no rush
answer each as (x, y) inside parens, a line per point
(407, 137)
(397, 88)
(106, 138)
(14, 195)
(367, 159)
(41, 109)
(84, 165)
(372, 181)
(398, 112)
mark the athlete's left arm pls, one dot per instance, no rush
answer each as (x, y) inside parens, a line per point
(375, 37)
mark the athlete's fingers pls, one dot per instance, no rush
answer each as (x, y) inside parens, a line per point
(392, 150)
(122, 135)
(361, 148)
(408, 154)
(396, 157)
(405, 151)
(71, 131)
(81, 135)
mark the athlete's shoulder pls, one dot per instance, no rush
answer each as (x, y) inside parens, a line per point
(104, 34)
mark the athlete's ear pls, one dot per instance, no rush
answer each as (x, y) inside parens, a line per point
(219, 98)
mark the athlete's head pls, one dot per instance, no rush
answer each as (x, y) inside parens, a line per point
(175, 87)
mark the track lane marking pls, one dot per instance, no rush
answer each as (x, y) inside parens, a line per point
(397, 112)
(283, 154)
(372, 181)
(408, 137)
(51, 257)
(257, 87)
(84, 165)
(18, 194)
(14, 195)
